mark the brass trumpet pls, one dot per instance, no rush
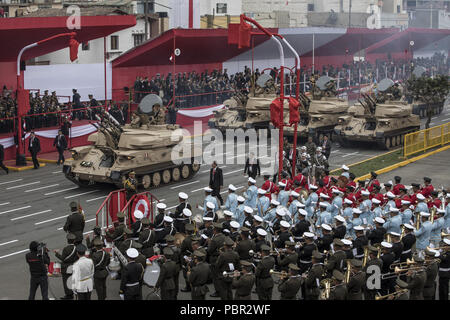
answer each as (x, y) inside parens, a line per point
(279, 273)
(445, 235)
(230, 274)
(402, 291)
(398, 272)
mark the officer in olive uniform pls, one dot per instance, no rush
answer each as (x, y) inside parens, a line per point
(132, 277)
(199, 276)
(130, 185)
(338, 287)
(117, 235)
(400, 285)
(336, 260)
(444, 269)
(264, 281)
(290, 284)
(214, 245)
(245, 244)
(167, 275)
(432, 271)
(416, 280)
(127, 242)
(176, 257)
(97, 235)
(369, 294)
(186, 252)
(147, 238)
(244, 281)
(313, 277)
(285, 259)
(227, 261)
(75, 223)
(67, 257)
(357, 281)
(101, 260)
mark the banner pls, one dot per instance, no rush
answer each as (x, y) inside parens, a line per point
(200, 113)
(7, 142)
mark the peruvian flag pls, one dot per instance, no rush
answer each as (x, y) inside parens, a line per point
(142, 204)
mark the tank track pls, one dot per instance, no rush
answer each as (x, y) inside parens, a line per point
(421, 109)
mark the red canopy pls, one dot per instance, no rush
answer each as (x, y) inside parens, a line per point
(16, 33)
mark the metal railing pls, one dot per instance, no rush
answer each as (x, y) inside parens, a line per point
(426, 139)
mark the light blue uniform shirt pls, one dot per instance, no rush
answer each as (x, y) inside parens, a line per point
(336, 206)
(353, 223)
(251, 194)
(283, 198)
(262, 203)
(310, 203)
(231, 202)
(406, 216)
(423, 235)
(422, 207)
(239, 215)
(210, 198)
(393, 224)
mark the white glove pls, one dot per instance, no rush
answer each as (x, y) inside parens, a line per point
(122, 296)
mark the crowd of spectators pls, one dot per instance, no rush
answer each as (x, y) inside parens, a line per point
(194, 89)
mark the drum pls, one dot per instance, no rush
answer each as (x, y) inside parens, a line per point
(114, 264)
(69, 283)
(198, 219)
(151, 274)
(69, 269)
(220, 214)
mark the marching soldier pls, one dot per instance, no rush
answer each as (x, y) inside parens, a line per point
(75, 222)
(357, 281)
(397, 246)
(360, 242)
(340, 230)
(387, 285)
(227, 261)
(338, 287)
(130, 185)
(287, 258)
(176, 257)
(301, 226)
(180, 220)
(408, 240)
(369, 294)
(132, 277)
(136, 227)
(290, 284)
(167, 275)
(186, 251)
(305, 252)
(245, 244)
(376, 235)
(416, 280)
(243, 281)
(313, 277)
(127, 242)
(432, 270)
(423, 234)
(444, 269)
(400, 285)
(101, 260)
(67, 258)
(147, 238)
(284, 234)
(336, 260)
(117, 235)
(264, 281)
(214, 245)
(199, 276)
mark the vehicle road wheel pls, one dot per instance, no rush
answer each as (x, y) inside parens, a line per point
(387, 142)
(399, 140)
(195, 166)
(156, 181)
(176, 174)
(393, 141)
(166, 176)
(146, 181)
(185, 171)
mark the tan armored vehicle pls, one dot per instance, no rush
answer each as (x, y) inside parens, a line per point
(322, 112)
(146, 150)
(232, 116)
(384, 124)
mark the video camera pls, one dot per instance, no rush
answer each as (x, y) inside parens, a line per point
(41, 249)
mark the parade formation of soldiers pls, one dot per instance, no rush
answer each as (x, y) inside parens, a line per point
(307, 240)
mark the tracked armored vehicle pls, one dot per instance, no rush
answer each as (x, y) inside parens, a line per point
(320, 115)
(232, 116)
(384, 124)
(147, 150)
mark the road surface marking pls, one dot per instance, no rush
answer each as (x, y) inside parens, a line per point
(30, 215)
(4, 203)
(237, 188)
(185, 184)
(14, 253)
(59, 191)
(80, 194)
(50, 186)
(23, 185)
(198, 189)
(96, 199)
(60, 171)
(232, 172)
(45, 221)
(349, 154)
(12, 241)
(12, 210)
(11, 181)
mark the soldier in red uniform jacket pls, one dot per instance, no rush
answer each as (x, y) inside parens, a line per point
(427, 188)
(397, 185)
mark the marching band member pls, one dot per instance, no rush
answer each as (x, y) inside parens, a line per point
(312, 200)
(347, 212)
(421, 204)
(336, 203)
(408, 240)
(390, 203)
(262, 202)
(271, 211)
(355, 221)
(394, 222)
(423, 234)
(427, 187)
(231, 203)
(239, 214)
(377, 235)
(405, 212)
(397, 186)
(436, 228)
(251, 193)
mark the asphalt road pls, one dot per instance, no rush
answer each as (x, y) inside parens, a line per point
(35, 203)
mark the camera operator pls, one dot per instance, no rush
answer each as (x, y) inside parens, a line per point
(38, 260)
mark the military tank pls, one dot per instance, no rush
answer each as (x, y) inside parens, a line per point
(232, 116)
(147, 150)
(382, 123)
(320, 115)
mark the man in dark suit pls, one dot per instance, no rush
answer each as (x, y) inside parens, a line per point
(290, 154)
(326, 146)
(34, 146)
(60, 143)
(252, 166)
(216, 181)
(2, 157)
